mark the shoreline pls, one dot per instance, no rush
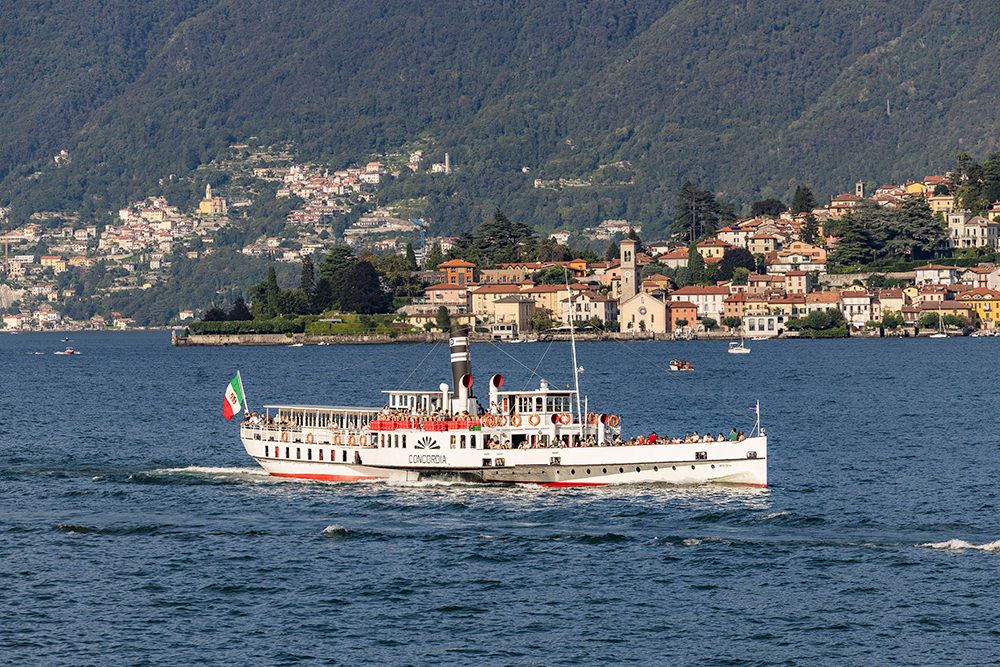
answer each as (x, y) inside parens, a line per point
(265, 340)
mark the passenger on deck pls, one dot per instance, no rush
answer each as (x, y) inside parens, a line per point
(741, 436)
(733, 435)
(652, 438)
(720, 437)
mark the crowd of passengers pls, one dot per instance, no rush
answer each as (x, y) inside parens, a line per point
(652, 439)
(256, 419)
(393, 414)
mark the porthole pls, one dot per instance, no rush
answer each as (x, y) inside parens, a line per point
(692, 467)
(674, 467)
(713, 466)
(572, 471)
(656, 469)
(638, 469)
(621, 470)
(605, 471)
(588, 471)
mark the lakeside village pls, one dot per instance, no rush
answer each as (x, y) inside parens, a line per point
(764, 276)
(862, 264)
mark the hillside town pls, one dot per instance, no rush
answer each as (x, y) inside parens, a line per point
(789, 282)
(759, 276)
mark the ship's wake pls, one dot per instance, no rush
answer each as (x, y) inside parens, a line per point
(962, 545)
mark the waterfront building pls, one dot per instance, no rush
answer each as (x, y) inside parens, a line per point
(986, 303)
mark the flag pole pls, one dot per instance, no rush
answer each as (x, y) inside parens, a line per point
(757, 425)
(246, 404)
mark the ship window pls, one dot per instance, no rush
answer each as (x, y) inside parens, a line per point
(267, 450)
(298, 452)
(287, 455)
(320, 454)
(454, 441)
(656, 468)
(638, 469)
(605, 470)
(572, 471)
(345, 456)
(472, 441)
(588, 471)
(309, 453)
(404, 441)
(621, 470)
(462, 441)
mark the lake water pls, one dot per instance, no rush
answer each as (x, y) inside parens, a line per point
(135, 530)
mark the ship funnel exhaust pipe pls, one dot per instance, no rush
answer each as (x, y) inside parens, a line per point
(461, 365)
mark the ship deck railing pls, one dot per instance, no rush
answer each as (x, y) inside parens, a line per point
(321, 435)
(427, 424)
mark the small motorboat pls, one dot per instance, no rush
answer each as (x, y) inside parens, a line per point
(738, 348)
(680, 365)
(65, 340)
(67, 352)
(296, 345)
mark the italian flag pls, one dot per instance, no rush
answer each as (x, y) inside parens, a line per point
(233, 402)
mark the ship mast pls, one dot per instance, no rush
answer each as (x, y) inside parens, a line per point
(572, 339)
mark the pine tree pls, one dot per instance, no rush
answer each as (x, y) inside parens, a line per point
(239, 311)
(308, 280)
(696, 265)
(810, 229)
(435, 256)
(613, 252)
(803, 201)
(360, 290)
(411, 257)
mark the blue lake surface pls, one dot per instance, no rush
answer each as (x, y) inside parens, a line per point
(135, 530)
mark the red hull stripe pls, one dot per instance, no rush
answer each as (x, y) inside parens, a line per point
(564, 484)
(324, 478)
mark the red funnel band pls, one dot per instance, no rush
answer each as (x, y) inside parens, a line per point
(467, 381)
(497, 381)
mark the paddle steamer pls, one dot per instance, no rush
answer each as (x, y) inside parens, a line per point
(540, 436)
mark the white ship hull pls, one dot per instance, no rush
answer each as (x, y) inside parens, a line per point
(740, 463)
(541, 436)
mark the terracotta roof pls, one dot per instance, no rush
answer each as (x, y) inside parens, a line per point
(497, 289)
(854, 294)
(935, 267)
(713, 243)
(682, 304)
(456, 263)
(823, 297)
(980, 292)
(945, 305)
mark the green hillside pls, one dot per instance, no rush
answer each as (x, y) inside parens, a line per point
(632, 98)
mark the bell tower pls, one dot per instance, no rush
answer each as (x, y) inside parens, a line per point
(630, 270)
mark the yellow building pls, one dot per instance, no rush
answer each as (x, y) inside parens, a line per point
(212, 205)
(985, 302)
(943, 204)
(916, 188)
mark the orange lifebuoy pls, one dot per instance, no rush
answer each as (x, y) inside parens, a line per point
(564, 418)
(592, 418)
(363, 440)
(284, 436)
(500, 421)
(613, 421)
(310, 439)
(515, 420)
(487, 420)
(352, 440)
(534, 420)
(336, 439)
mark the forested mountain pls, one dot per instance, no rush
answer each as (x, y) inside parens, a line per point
(633, 97)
